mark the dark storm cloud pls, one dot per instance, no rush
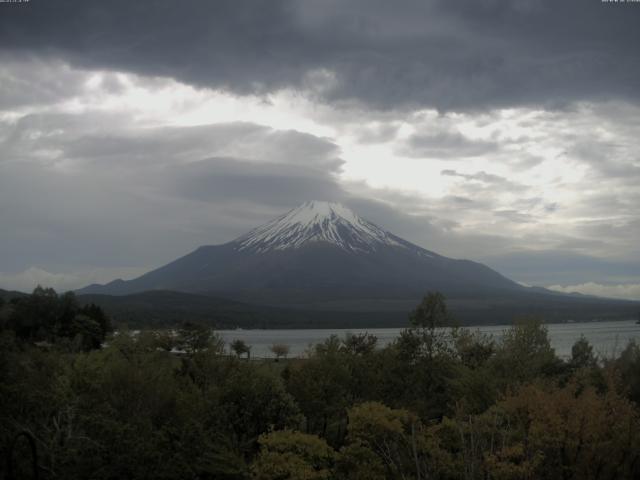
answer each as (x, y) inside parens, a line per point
(227, 179)
(451, 55)
(172, 144)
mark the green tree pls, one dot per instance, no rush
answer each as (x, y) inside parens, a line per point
(292, 455)
(95, 312)
(195, 337)
(582, 355)
(5, 313)
(359, 344)
(627, 366)
(86, 331)
(525, 352)
(321, 386)
(473, 349)
(421, 364)
(246, 399)
(240, 348)
(431, 312)
(35, 316)
(359, 462)
(428, 324)
(166, 340)
(46, 316)
(396, 438)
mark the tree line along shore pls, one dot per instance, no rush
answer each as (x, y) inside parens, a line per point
(440, 402)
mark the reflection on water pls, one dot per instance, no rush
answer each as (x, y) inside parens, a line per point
(607, 338)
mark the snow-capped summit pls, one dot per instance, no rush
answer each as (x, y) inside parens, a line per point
(317, 222)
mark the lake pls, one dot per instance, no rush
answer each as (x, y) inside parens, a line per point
(607, 338)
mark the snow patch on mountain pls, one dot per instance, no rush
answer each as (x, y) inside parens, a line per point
(318, 222)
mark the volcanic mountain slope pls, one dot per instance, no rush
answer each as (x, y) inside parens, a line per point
(318, 252)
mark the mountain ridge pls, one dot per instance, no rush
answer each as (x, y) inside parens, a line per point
(317, 251)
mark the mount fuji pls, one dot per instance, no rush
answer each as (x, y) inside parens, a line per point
(319, 251)
(322, 256)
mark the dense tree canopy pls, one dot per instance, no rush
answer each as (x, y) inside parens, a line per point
(438, 403)
(48, 317)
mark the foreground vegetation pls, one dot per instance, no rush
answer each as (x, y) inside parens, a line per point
(435, 404)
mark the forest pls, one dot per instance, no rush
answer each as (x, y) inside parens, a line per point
(79, 400)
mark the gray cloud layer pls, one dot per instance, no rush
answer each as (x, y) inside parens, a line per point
(75, 194)
(444, 145)
(451, 55)
(102, 188)
(84, 183)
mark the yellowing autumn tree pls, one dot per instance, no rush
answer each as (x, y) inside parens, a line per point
(291, 455)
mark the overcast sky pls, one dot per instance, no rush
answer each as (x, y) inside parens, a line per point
(506, 132)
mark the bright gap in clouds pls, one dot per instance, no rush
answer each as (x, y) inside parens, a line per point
(381, 164)
(167, 102)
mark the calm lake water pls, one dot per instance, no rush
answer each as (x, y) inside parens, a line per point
(607, 338)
